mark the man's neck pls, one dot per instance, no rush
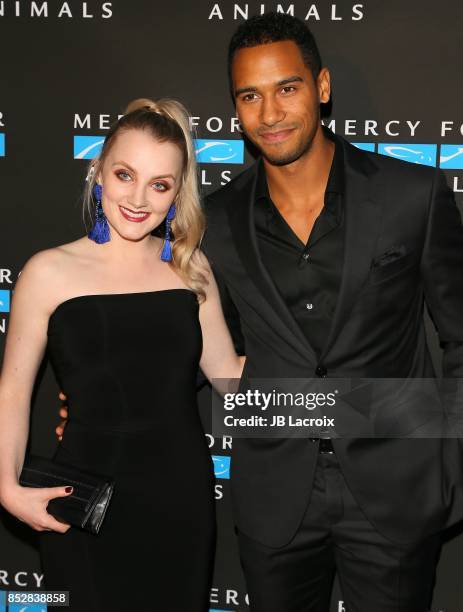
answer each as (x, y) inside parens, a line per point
(303, 181)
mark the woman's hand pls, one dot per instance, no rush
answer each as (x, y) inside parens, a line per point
(29, 505)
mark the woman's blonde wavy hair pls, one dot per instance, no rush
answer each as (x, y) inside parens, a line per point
(168, 121)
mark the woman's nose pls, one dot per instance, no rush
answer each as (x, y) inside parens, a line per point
(137, 197)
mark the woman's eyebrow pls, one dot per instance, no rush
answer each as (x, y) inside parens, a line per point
(123, 163)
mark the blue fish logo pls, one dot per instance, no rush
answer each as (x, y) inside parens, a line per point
(424, 154)
(4, 303)
(2, 145)
(451, 157)
(365, 146)
(32, 608)
(219, 151)
(87, 147)
(221, 466)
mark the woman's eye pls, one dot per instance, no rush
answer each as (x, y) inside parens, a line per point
(160, 186)
(124, 176)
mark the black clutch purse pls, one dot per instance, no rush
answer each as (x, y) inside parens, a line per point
(85, 507)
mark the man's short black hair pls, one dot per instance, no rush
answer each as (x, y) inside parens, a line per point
(275, 27)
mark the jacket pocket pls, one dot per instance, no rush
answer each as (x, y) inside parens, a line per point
(383, 269)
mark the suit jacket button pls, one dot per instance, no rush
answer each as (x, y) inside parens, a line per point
(321, 371)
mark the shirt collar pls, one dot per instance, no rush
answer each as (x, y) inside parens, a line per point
(336, 177)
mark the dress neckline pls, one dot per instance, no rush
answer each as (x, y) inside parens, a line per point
(106, 295)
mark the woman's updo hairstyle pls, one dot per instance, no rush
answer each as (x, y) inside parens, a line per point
(168, 121)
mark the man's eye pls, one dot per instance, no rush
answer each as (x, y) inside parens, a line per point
(249, 97)
(288, 89)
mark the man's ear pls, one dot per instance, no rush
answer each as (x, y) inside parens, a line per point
(324, 85)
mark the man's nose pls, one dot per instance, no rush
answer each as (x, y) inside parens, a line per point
(271, 112)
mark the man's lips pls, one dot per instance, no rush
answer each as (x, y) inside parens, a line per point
(276, 136)
(132, 215)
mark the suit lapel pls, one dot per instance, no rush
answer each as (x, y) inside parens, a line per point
(361, 222)
(241, 217)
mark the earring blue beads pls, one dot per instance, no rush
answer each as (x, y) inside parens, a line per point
(166, 254)
(100, 230)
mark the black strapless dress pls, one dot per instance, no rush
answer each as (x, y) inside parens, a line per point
(128, 364)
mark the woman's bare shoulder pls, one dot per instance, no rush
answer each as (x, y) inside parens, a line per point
(55, 260)
(47, 274)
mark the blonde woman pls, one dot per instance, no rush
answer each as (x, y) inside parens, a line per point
(127, 317)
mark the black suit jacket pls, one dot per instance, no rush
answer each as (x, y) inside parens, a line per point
(408, 488)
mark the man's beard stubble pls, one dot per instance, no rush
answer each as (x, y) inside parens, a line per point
(290, 156)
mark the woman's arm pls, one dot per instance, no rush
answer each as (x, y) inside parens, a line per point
(25, 346)
(219, 359)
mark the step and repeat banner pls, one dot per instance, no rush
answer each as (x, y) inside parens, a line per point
(67, 71)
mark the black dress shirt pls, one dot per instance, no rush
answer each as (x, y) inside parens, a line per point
(307, 276)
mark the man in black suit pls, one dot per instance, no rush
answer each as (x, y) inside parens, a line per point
(325, 255)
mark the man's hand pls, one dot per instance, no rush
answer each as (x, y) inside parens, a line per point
(63, 413)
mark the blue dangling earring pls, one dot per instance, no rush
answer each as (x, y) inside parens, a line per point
(100, 230)
(166, 254)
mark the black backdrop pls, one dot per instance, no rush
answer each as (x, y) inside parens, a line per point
(69, 68)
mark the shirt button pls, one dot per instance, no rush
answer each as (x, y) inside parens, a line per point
(321, 371)
(309, 306)
(306, 256)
